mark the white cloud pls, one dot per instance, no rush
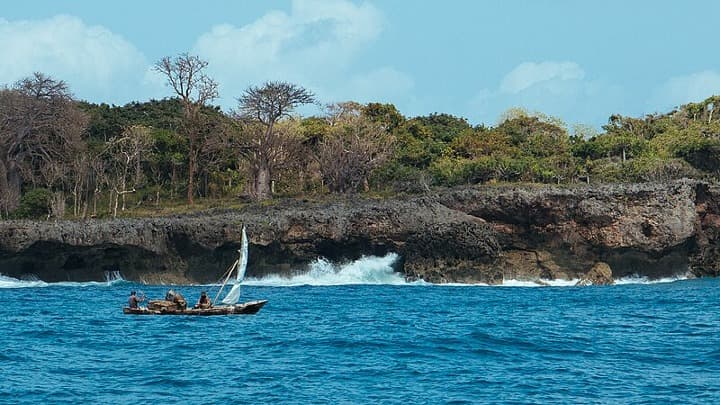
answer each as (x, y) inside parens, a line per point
(528, 74)
(92, 59)
(380, 85)
(684, 89)
(555, 88)
(315, 44)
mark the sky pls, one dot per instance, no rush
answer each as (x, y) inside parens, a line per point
(580, 61)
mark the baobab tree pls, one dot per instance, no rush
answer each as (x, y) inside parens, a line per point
(186, 76)
(266, 147)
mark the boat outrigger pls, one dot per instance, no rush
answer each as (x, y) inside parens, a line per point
(175, 304)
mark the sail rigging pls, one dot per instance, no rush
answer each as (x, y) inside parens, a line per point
(240, 265)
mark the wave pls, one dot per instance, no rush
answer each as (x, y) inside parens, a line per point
(515, 283)
(9, 282)
(111, 278)
(571, 283)
(366, 270)
(375, 270)
(371, 270)
(637, 279)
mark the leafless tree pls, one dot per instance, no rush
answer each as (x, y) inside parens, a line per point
(85, 181)
(126, 152)
(40, 131)
(267, 148)
(186, 76)
(353, 148)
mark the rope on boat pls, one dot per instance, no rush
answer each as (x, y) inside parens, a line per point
(227, 275)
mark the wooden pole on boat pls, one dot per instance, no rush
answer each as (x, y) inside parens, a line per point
(229, 273)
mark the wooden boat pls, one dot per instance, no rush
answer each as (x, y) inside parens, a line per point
(229, 304)
(250, 307)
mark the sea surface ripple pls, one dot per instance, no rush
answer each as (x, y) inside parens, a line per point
(378, 343)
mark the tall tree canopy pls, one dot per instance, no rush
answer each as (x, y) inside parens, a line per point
(259, 110)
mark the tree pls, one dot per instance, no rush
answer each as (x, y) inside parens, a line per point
(385, 114)
(126, 153)
(186, 76)
(40, 131)
(354, 147)
(265, 148)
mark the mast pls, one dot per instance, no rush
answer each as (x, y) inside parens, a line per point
(227, 275)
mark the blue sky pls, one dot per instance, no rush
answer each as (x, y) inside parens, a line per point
(578, 60)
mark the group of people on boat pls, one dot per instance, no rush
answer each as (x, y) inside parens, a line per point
(174, 297)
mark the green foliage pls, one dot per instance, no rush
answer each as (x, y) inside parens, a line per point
(395, 176)
(605, 171)
(449, 171)
(621, 145)
(108, 121)
(416, 146)
(454, 171)
(656, 169)
(444, 127)
(313, 130)
(384, 114)
(433, 150)
(482, 142)
(34, 204)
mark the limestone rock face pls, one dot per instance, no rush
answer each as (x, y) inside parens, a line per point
(600, 274)
(483, 234)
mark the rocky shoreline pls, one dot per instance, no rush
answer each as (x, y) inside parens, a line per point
(463, 235)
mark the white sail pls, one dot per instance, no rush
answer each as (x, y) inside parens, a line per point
(234, 295)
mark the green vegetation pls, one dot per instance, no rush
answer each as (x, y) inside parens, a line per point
(66, 158)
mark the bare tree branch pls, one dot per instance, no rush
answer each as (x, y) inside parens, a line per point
(40, 132)
(354, 147)
(185, 74)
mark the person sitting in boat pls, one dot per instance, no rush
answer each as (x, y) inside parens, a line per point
(133, 300)
(204, 301)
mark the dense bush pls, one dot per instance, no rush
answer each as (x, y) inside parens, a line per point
(34, 204)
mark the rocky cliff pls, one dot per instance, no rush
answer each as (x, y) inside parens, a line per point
(472, 234)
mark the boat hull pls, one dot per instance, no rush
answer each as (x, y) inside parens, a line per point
(246, 308)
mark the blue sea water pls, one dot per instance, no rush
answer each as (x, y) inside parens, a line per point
(362, 335)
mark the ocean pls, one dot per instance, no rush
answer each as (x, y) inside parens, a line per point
(358, 333)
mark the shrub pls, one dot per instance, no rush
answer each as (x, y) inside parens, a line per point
(34, 204)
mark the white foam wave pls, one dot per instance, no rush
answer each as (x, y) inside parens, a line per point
(9, 282)
(568, 283)
(366, 270)
(517, 283)
(539, 283)
(379, 270)
(111, 278)
(636, 279)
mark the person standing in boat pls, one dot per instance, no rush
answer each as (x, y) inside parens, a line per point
(133, 300)
(204, 301)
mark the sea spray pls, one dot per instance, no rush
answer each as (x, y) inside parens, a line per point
(113, 278)
(9, 282)
(321, 272)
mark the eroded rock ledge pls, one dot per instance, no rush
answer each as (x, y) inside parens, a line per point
(474, 234)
